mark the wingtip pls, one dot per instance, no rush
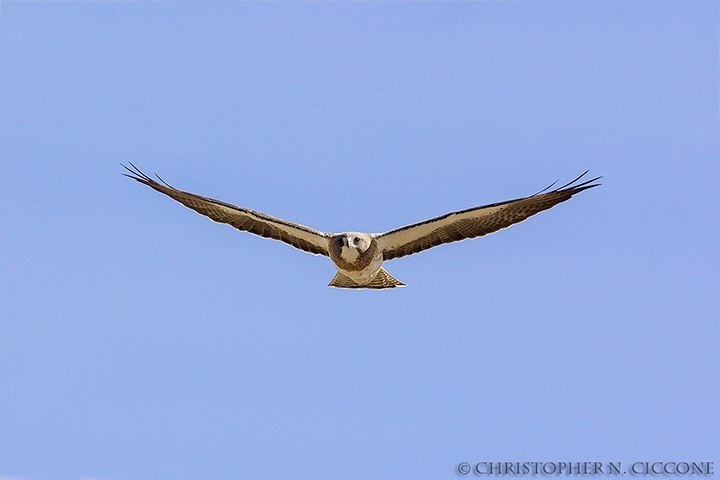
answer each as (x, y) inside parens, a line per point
(576, 186)
(135, 173)
(572, 186)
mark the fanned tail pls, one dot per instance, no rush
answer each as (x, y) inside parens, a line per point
(381, 280)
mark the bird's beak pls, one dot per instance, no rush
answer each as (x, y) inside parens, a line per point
(346, 242)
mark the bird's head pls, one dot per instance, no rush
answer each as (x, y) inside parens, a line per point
(351, 244)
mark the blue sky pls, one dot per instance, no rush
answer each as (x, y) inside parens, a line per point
(139, 340)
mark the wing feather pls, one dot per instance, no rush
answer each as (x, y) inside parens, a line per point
(475, 222)
(299, 236)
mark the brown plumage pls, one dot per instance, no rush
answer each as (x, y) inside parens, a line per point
(474, 222)
(358, 256)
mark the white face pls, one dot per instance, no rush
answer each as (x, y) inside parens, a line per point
(353, 244)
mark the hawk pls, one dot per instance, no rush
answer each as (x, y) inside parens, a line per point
(358, 257)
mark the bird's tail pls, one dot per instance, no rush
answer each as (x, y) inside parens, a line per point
(381, 280)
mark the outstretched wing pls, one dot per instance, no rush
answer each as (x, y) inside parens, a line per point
(474, 222)
(299, 236)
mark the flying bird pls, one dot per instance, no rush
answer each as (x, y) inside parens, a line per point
(358, 257)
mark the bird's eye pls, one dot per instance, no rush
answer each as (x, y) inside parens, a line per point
(357, 239)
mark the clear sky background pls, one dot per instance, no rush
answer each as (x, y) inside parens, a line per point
(139, 340)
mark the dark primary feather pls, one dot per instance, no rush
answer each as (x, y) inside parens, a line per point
(475, 222)
(299, 236)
